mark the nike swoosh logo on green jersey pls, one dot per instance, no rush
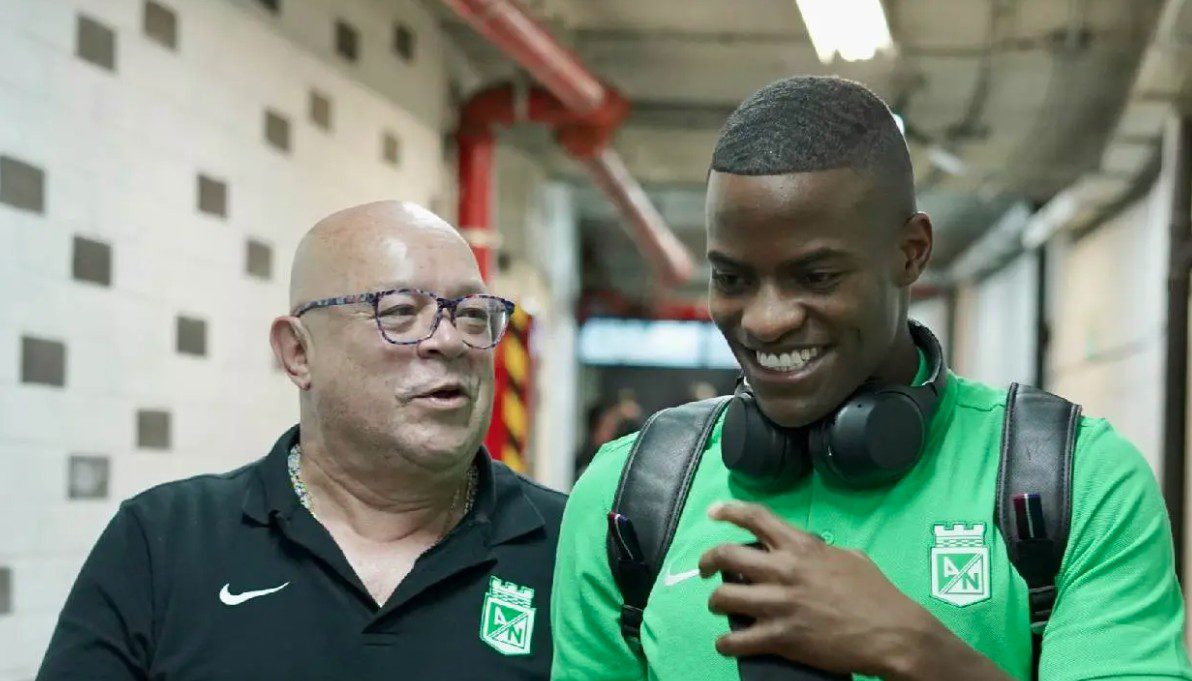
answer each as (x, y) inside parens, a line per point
(670, 580)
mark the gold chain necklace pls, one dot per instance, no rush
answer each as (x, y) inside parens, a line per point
(294, 466)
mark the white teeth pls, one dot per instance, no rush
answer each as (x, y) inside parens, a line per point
(788, 361)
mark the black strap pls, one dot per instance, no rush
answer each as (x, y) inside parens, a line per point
(1038, 442)
(653, 489)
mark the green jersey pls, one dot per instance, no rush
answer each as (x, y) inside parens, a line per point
(1118, 614)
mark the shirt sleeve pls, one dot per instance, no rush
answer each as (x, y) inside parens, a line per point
(105, 630)
(586, 603)
(1119, 613)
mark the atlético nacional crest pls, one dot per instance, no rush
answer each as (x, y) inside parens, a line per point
(960, 564)
(507, 622)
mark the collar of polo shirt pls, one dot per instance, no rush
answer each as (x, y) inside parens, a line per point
(501, 508)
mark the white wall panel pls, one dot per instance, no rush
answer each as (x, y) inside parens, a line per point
(995, 325)
(120, 152)
(933, 313)
(1109, 311)
(1002, 337)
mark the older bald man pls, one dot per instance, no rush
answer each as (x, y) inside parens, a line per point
(377, 540)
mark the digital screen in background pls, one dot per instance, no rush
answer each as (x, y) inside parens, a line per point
(647, 343)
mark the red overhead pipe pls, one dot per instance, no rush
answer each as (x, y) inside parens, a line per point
(581, 135)
(586, 138)
(475, 195)
(648, 229)
(514, 32)
(584, 114)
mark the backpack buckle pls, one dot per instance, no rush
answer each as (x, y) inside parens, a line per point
(631, 626)
(1042, 600)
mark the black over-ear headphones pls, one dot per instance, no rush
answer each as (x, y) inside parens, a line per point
(873, 438)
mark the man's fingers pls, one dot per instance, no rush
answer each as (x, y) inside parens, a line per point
(773, 531)
(760, 639)
(758, 601)
(755, 564)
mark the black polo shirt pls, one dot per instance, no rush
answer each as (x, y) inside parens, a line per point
(227, 577)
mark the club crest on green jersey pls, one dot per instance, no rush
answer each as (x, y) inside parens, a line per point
(507, 621)
(960, 564)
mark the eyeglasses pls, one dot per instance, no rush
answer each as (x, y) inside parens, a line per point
(408, 316)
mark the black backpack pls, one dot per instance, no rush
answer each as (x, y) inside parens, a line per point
(1034, 483)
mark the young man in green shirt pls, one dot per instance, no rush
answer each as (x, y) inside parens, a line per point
(814, 241)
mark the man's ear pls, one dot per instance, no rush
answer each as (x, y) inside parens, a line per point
(291, 346)
(914, 247)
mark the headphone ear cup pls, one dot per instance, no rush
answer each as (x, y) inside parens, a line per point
(873, 439)
(759, 449)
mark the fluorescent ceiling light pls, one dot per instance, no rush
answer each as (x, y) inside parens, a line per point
(854, 29)
(946, 161)
(1050, 219)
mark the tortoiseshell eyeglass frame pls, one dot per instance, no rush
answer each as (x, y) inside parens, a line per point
(450, 304)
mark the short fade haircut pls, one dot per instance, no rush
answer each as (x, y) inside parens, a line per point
(812, 123)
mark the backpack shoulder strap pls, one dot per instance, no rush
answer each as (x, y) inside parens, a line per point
(1034, 494)
(650, 498)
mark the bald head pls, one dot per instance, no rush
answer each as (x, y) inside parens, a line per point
(371, 402)
(379, 245)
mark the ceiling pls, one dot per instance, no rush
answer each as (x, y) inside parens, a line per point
(1005, 100)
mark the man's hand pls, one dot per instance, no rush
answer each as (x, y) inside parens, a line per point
(826, 607)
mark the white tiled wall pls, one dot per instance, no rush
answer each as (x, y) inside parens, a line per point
(121, 152)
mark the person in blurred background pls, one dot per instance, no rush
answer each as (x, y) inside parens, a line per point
(607, 422)
(702, 390)
(377, 539)
(619, 419)
(815, 240)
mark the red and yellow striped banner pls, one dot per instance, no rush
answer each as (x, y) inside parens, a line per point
(508, 435)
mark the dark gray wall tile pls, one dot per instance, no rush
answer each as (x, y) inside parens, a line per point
(43, 361)
(192, 336)
(161, 24)
(320, 109)
(403, 41)
(213, 196)
(95, 43)
(258, 260)
(277, 130)
(87, 477)
(92, 261)
(22, 185)
(390, 148)
(153, 429)
(347, 40)
(5, 590)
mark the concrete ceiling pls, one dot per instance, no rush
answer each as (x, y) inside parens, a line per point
(1025, 93)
